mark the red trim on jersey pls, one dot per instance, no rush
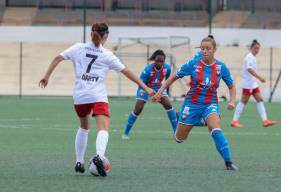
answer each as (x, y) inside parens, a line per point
(99, 108)
(161, 74)
(199, 82)
(214, 79)
(152, 77)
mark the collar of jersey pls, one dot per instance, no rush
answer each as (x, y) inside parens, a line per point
(208, 64)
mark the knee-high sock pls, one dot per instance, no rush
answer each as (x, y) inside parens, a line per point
(81, 140)
(101, 142)
(221, 144)
(130, 122)
(238, 110)
(261, 110)
(173, 118)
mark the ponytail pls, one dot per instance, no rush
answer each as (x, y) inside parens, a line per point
(96, 39)
(99, 30)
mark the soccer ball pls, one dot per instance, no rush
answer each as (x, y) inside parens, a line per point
(93, 169)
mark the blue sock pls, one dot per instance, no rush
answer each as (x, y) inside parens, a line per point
(173, 118)
(131, 120)
(221, 144)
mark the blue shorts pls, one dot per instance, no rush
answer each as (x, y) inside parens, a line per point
(192, 114)
(142, 95)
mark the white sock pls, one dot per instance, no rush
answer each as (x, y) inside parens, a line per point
(81, 144)
(238, 110)
(101, 142)
(261, 109)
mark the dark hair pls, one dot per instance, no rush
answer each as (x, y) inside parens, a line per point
(255, 42)
(99, 30)
(156, 53)
(210, 39)
(211, 36)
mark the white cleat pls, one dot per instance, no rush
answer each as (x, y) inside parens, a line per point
(125, 136)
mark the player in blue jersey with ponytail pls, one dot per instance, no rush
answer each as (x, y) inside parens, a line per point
(152, 76)
(201, 100)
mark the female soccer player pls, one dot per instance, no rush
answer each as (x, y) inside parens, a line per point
(250, 87)
(201, 100)
(152, 76)
(91, 64)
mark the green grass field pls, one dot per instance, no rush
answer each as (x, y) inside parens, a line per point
(37, 151)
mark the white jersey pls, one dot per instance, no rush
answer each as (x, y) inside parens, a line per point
(91, 65)
(249, 81)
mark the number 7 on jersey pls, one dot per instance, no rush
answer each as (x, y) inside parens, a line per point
(94, 57)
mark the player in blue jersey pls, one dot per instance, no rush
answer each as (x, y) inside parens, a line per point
(152, 76)
(201, 100)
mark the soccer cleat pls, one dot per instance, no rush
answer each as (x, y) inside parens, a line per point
(79, 167)
(268, 123)
(125, 136)
(235, 124)
(230, 166)
(100, 166)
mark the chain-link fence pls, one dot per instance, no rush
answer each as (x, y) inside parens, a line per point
(22, 66)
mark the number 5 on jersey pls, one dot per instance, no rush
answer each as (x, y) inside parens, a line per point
(94, 57)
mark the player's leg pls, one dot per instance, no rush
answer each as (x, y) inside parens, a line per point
(261, 108)
(133, 117)
(102, 118)
(182, 132)
(102, 123)
(239, 108)
(222, 146)
(81, 138)
(166, 103)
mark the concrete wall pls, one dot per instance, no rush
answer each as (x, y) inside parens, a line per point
(225, 37)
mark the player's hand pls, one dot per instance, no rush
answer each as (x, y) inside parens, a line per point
(262, 80)
(156, 97)
(43, 82)
(230, 105)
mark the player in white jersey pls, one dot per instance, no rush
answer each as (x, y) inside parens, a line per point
(250, 87)
(91, 65)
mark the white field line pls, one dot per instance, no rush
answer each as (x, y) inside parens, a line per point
(120, 131)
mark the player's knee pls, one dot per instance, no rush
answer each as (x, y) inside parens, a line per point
(137, 112)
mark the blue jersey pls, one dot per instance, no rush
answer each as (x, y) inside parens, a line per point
(198, 55)
(153, 77)
(205, 80)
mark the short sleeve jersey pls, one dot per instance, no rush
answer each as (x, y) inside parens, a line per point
(153, 77)
(91, 65)
(205, 80)
(249, 81)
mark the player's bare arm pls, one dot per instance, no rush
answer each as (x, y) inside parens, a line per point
(232, 97)
(130, 75)
(166, 84)
(44, 81)
(254, 73)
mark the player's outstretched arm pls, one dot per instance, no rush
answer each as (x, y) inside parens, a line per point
(44, 81)
(166, 84)
(130, 75)
(254, 73)
(232, 97)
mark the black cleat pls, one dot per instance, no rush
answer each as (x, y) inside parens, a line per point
(230, 166)
(79, 167)
(100, 166)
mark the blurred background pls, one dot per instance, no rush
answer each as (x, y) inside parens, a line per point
(32, 32)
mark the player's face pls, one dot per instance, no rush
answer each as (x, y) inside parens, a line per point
(208, 50)
(159, 61)
(255, 49)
